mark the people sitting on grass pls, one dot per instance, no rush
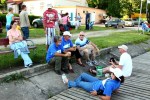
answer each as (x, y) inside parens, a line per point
(68, 47)
(125, 63)
(94, 86)
(57, 56)
(87, 49)
(145, 26)
(18, 45)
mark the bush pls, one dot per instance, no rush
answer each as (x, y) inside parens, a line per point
(3, 18)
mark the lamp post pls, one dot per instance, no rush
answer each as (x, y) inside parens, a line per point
(140, 15)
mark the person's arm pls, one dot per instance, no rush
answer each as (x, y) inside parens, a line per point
(44, 22)
(61, 55)
(27, 19)
(71, 49)
(104, 97)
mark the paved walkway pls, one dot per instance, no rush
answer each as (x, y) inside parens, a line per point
(136, 87)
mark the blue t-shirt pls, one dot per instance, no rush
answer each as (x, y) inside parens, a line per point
(66, 44)
(82, 43)
(9, 19)
(110, 86)
(52, 50)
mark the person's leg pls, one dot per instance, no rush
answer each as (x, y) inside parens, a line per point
(86, 53)
(57, 61)
(88, 86)
(26, 58)
(86, 77)
(52, 34)
(48, 38)
(27, 32)
(64, 63)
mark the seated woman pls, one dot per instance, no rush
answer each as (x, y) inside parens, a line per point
(104, 88)
(58, 56)
(87, 48)
(18, 45)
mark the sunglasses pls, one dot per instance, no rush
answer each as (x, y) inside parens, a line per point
(81, 35)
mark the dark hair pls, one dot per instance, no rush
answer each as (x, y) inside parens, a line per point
(10, 9)
(122, 79)
(23, 6)
(113, 60)
(12, 22)
(56, 38)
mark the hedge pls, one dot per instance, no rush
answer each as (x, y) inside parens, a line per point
(3, 18)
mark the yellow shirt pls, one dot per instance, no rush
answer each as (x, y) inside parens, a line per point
(18, 27)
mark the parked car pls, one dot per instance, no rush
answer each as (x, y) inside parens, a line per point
(129, 22)
(136, 21)
(37, 22)
(115, 22)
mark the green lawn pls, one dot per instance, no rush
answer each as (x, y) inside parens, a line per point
(115, 39)
(39, 32)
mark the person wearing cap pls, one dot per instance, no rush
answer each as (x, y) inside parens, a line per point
(57, 56)
(68, 46)
(145, 26)
(50, 16)
(125, 62)
(87, 49)
(93, 85)
(24, 21)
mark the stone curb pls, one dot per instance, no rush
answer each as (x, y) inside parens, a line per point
(29, 72)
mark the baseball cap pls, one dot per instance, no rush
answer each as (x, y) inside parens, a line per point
(117, 72)
(49, 6)
(124, 47)
(67, 33)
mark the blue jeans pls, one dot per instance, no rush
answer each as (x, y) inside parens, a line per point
(25, 31)
(66, 28)
(7, 27)
(84, 81)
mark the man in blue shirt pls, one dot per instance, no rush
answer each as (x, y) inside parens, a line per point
(58, 56)
(68, 47)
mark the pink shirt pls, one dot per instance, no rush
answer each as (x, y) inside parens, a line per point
(65, 19)
(13, 34)
(49, 18)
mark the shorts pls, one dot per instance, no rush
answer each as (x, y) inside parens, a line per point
(50, 35)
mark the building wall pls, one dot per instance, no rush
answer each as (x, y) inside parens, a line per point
(98, 13)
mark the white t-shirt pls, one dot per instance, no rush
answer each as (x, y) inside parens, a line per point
(126, 63)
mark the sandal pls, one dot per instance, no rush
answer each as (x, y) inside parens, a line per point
(92, 71)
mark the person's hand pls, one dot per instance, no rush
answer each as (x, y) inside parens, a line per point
(68, 54)
(94, 93)
(111, 63)
(45, 31)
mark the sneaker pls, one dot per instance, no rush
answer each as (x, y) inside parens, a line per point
(95, 62)
(89, 63)
(30, 65)
(58, 72)
(63, 77)
(26, 66)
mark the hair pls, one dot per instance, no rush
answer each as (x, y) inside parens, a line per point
(122, 79)
(10, 9)
(12, 22)
(56, 38)
(23, 7)
(113, 60)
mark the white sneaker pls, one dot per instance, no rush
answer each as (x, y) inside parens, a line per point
(95, 62)
(63, 77)
(89, 63)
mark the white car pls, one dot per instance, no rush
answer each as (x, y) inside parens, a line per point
(129, 22)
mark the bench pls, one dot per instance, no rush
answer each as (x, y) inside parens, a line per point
(5, 42)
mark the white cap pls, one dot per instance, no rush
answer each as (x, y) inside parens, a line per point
(117, 72)
(124, 47)
(67, 33)
(49, 6)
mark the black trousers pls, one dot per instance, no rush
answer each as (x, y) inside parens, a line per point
(76, 53)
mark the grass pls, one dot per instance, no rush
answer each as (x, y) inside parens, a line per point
(39, 32)
(116, 39)
(8, 62)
